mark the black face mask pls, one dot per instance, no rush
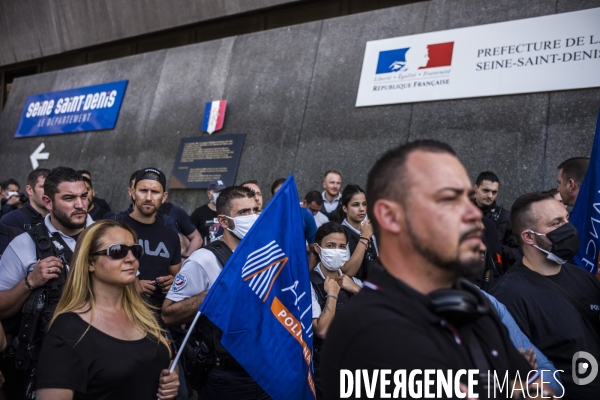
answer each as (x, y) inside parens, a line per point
(565, 243)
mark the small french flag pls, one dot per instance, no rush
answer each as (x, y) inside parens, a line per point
(214, 114)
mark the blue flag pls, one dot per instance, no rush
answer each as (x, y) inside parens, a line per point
(586, 212)
(262, 301)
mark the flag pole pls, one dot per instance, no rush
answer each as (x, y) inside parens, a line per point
(187, 336)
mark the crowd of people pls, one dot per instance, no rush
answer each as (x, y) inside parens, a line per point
(422, 270)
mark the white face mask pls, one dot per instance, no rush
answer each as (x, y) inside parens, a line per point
(215, 197)
(333, 259)
(549, 256)
(242, 224)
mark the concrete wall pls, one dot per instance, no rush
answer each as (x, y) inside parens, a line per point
(32, 29)
(292, 91)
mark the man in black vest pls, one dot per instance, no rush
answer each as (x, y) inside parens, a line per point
(34, 211)
(486, 188)
(24, 269)
(237, 211)
(332, 198)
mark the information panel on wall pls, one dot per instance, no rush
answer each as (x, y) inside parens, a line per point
(555, 52)
(89, 108)
(202, 159)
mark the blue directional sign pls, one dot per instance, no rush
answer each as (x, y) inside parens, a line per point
(90, 108)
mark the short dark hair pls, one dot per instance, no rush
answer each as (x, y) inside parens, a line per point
(57, 176)
(230, 193)
(314, 197)
(85, 172)
(347, 194)
(88, 181)
(487, 176)
(275, 184)
(386, 179)
(574, 168)
(327, 229)
(252, 181)
(10, 181)
(36, 174)
(332, 171)
(551, 192)
(521, 217)
(132, 178)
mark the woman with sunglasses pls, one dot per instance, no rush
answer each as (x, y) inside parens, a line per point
(104, 341)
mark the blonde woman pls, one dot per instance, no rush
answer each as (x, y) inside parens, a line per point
(103, 341)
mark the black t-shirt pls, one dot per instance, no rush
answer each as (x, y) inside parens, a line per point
(183, 220)
(551, 322)
(161, 250)
(98, 366)
(203, 218)
(388, 325)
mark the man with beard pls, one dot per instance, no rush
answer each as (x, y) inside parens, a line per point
(22, 272)
(416, 313)
(162, 249)
(556, 304)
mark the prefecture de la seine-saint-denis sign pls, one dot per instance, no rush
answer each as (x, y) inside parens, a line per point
(555, 52)
(89, 108)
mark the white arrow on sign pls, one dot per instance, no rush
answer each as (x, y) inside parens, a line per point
(37, 155)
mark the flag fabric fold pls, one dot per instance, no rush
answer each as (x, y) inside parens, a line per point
(586, 212)
(262, 301)
(214, 115)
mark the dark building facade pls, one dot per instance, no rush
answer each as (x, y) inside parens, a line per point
(291, 87)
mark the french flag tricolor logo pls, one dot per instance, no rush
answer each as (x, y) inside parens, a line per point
(214, 114)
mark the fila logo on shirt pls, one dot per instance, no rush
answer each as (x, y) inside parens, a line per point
(161, 249)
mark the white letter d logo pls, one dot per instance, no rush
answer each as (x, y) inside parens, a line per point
(583, 367)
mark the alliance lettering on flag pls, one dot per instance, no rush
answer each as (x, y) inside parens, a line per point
(262, 268)
(267, 323)
(214, 115)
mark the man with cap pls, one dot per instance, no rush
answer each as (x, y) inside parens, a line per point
(162, 249)
(205, 217)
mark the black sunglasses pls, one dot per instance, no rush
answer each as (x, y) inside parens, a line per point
(120, 251)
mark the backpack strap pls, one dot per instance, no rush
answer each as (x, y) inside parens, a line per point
(33, 220)
(221, 251)
(43, 241)
(318, 284)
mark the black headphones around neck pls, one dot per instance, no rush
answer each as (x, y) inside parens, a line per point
(461, 305)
